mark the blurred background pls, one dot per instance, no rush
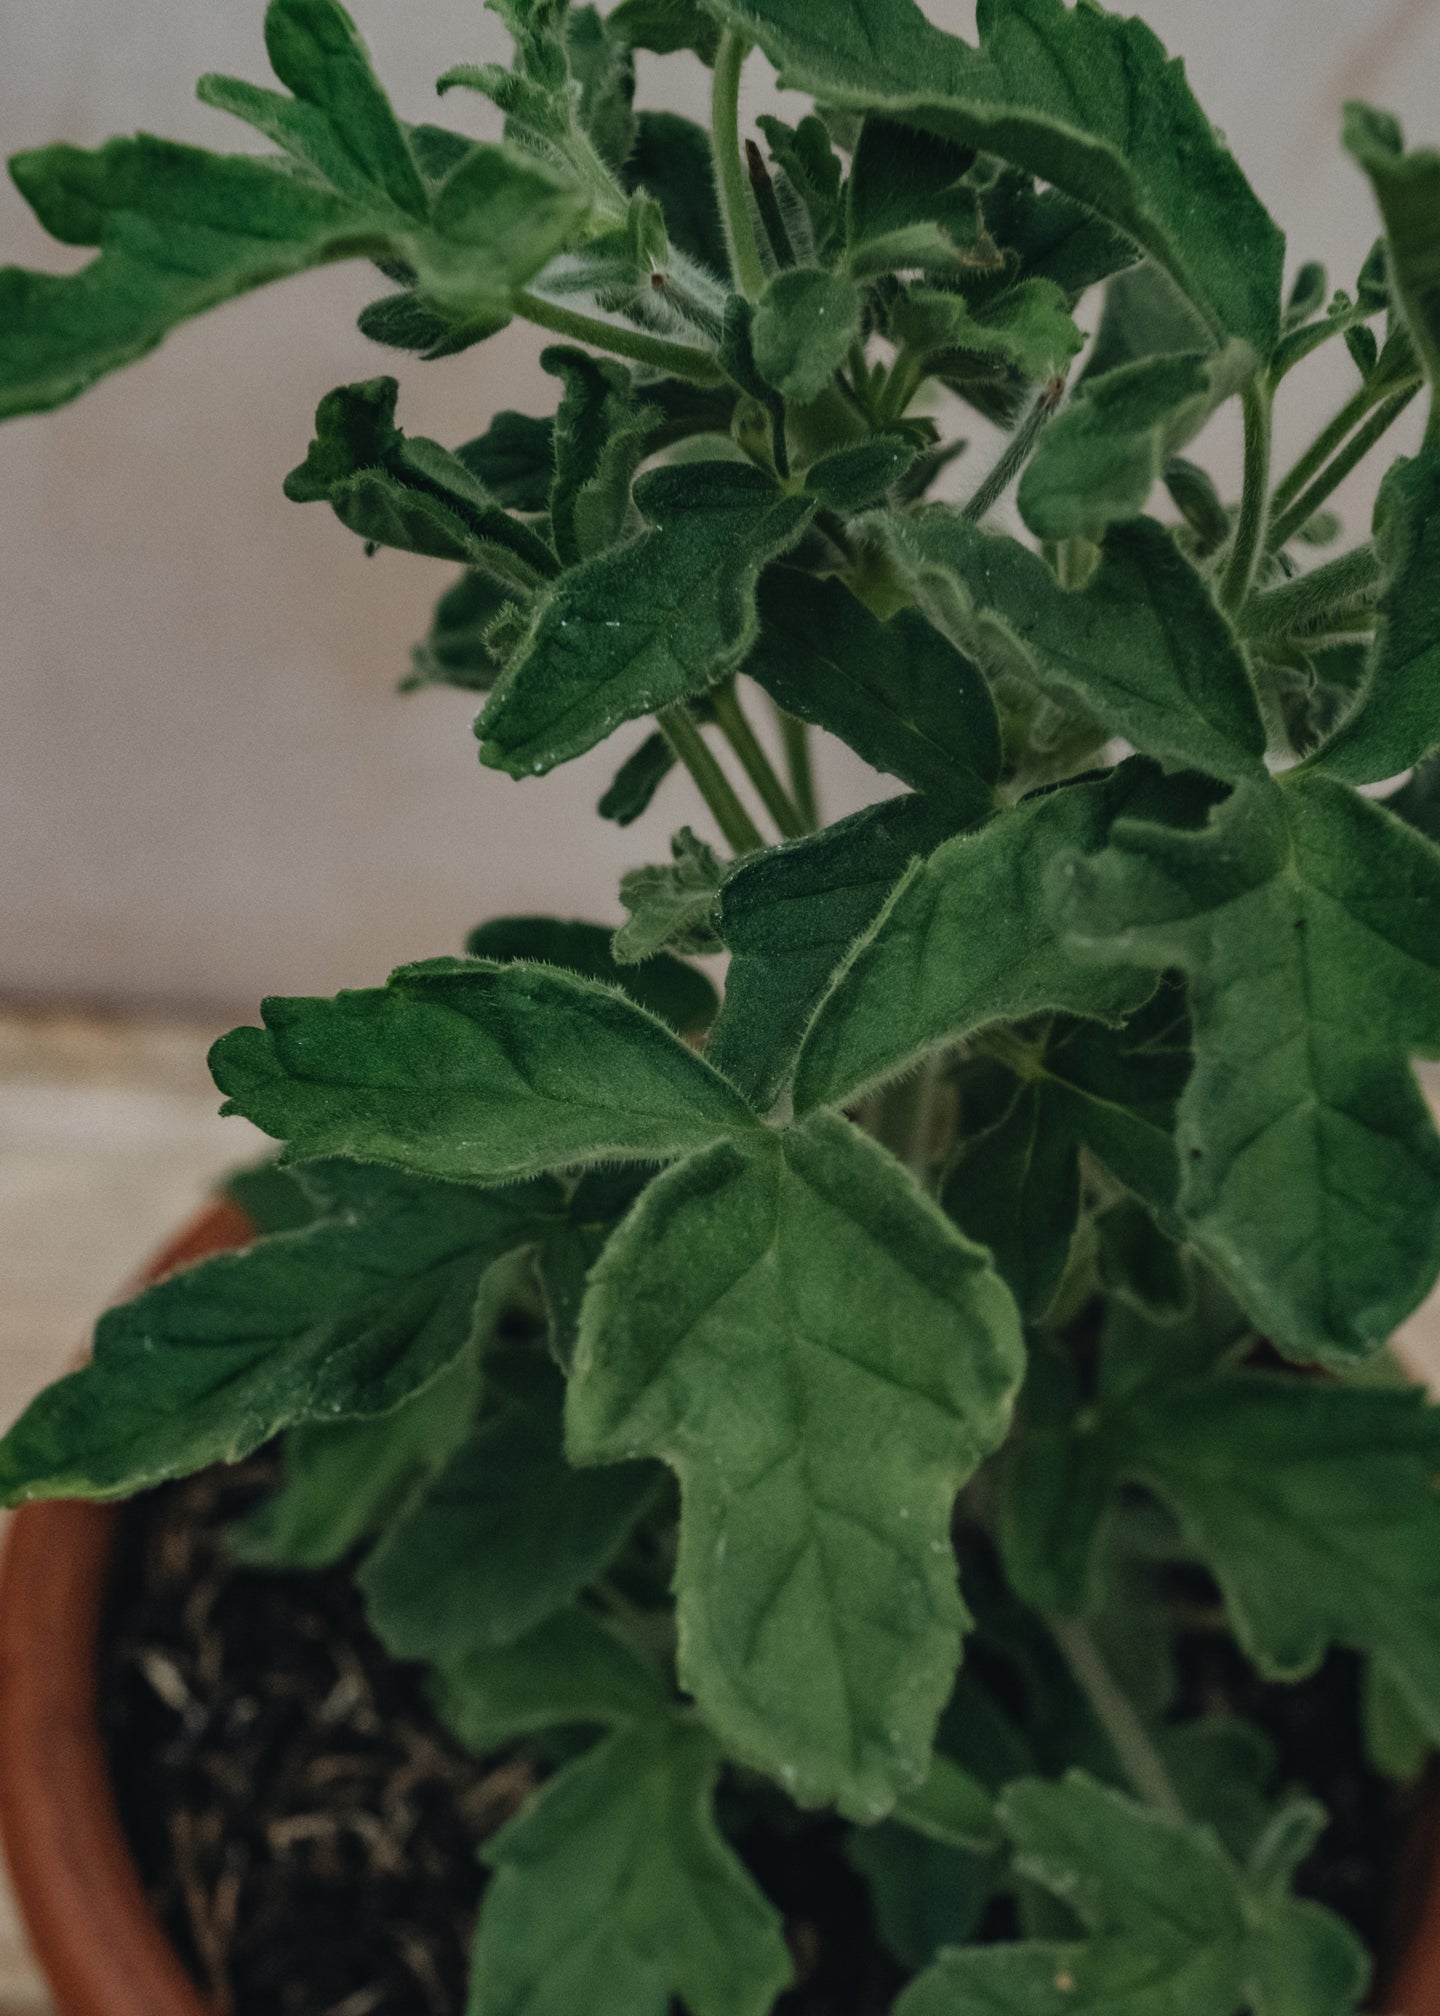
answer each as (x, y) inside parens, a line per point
(209, 789)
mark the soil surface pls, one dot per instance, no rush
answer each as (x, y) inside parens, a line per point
(309, 1831)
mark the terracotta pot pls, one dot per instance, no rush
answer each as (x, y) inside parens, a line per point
(102, 1951)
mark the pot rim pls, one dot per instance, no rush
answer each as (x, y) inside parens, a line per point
(100, 1947)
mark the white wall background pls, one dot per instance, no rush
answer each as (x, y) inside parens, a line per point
(208, 789)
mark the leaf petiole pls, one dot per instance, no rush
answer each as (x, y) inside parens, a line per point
(1129, 1738)
(1249, 538)
(680, 360)
(1289, 522)
(731, 175)
(731, 720)
(796, 735)
(678, 727)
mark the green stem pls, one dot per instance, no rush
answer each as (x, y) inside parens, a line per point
(802, 770)
(1017, 452)
(731, 177)
(1313, 602)
(1321, 449)
(1129, 1738)
(681, 360)
(1333, 475)
(731, 721)
(679, 730)
(1249, 537)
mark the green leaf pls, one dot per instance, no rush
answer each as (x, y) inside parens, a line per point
(345, 1480)
(667, 987)
(651, 622)
(1407, 188)
(965, 940)
(631, 791)
(339, 121)
(1083, 99)
(1174, 1925)
(1050, 236)
(1315, 1507)
(1144, 318)
(666, 26)
(347, 1318)
(1141, 645)
(599, 440)
(924, 1896)
(572, 1672)
(477, 1070)
(854, 478)
(907, 207)
(789, 916)
(515, 459)
(1099, 460)
(805, 326)
(570, 1249)
(1028, 328)
(272, 1198)
(1395, 720)
(507, 1534)
(898, 692)
(808, 161)
(603, 76)
(671, 904)
(1016, 1189)
(672, 161)
(1300, 916)
(614, 1892)
(180, 230)
(819, 1459)
(409, 492)
(457, 649)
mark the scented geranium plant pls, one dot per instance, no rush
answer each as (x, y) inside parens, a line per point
(843, 1396)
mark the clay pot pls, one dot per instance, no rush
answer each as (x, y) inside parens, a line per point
(101, 1949)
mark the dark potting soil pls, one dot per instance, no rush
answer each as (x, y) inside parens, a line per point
(308, 1830)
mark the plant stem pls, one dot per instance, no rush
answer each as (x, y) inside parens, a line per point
(1321, 449)
(1313, 602)
(1114, 1711)
(1249, 537)
(731, 177)
(802, 770)
(1333, 475)
(678, 727)
(681, 360)
(1017, 452)
(731, 720)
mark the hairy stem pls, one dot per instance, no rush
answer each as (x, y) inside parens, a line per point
(1333, 475)
(1129, 1738)
(802, 770)
(1249, 540)
(731, 720)
(731, 176)
(1017, 452)
(681, 360)
(1313, 602)
(678, 727)
(1321, 449)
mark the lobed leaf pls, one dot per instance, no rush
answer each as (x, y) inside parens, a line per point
(1407, 188)
(346, 1318)
(823, 1360)
(571, 1672)
(1311, 1170)
(652, 622)
(805, 327)
(476, 1070)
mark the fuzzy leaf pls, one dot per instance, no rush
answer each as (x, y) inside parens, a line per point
(346, 1318)
(667, 987)
(672, 161)
(1407, 188)
(854, 478)
(507, 1534)
(1395, 721)
(599, 440)
(1099, 460)
(819, 1459)
(515, 459)
(1029, 328)
(1142, 645)
(965, 940)
(456, 650)
(180, 230)
(615, 1892)
(1016, 1190)
(666, 26)
(477, 1070)
(571, 1672)
(345, 1480)
(898, 692)
(670, 904)
(1303, 918)
(1174, 1925)
(651, 622)
(1084, 99)
(906, 205)
(790, 915)
(632, 789)
(805, 326)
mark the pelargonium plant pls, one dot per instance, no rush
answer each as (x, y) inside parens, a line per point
(1019, 1238)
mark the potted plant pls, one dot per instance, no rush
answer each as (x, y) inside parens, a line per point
(935, 1402)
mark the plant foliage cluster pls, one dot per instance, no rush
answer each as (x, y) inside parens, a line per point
(1043, 1192)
